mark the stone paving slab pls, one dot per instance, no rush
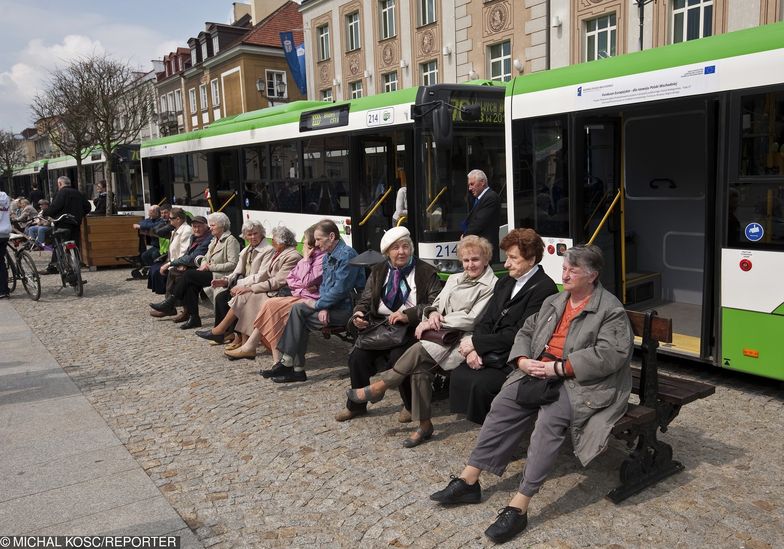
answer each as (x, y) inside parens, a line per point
(249, 463)
(62, 469)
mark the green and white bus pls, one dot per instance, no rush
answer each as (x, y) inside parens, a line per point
(672, 161)
(297, 163)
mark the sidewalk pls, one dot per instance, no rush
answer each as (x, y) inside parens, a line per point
(62, 469)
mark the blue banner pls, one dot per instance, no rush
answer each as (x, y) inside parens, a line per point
(295, 56)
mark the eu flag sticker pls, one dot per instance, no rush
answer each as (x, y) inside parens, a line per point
(710, 69)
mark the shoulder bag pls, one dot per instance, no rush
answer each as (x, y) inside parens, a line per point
(445, 336)
(381, 336)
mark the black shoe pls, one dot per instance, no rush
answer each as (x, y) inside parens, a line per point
(207, 334)
(458, 491)
(290, 375)
(508, 524)
(276, 370)
(165, 305)
(193, 322)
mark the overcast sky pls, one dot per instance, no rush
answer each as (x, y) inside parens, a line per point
(38, 35)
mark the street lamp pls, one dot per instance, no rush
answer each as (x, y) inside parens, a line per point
(280, 91)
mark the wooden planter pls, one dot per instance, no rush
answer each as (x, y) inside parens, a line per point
(105, 238)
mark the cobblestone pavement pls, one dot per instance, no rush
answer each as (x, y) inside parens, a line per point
(249, 463)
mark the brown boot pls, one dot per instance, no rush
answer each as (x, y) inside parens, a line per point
(161, 314)
(182, 317)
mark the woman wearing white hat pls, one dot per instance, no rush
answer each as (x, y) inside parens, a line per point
(397, 292)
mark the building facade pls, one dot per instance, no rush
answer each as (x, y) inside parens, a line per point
(364, 47)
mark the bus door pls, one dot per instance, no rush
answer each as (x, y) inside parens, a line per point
(669, 165)
(596, 184)
(224, 179)
(373, 189)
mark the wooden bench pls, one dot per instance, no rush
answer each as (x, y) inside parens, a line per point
(661, 399)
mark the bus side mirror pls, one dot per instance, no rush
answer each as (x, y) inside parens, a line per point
(442, 126)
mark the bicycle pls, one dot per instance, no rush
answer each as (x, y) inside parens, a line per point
(21, 266)
(66, 252)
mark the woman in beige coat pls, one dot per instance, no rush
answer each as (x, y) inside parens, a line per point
(458, 306)
(270, 278)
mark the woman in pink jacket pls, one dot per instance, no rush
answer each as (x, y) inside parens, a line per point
(303, 282)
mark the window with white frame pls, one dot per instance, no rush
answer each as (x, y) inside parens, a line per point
(356, 89)
(387, 12)
(204, 51)
(194, 58)
(326, 95)
(203, 96)
(427, 11)
(164, 106)
(500, 56)
(215, 92)
(428, 73)
(691, 19)
(192, 99)
(276, 84)
(323, 42)
(352, 31)
(178, 100)
(215, 44)
(170, 101)
(390, 81)
(600, 37)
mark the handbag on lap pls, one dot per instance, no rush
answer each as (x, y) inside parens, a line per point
(445, 336)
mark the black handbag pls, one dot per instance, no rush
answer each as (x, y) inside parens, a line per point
(533, 392)
(445, 336)
(499, 361)
(381, 336)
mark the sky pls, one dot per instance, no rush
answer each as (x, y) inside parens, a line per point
(39, 35)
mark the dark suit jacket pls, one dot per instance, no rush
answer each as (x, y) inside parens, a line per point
(484, 218)
(527, 302)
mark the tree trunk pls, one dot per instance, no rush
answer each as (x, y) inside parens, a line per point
(81, 184)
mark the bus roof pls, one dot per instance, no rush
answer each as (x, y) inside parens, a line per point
(743, 42)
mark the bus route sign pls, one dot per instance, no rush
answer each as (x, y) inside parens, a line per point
(323, 119)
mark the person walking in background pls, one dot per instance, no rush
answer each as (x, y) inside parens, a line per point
(36, 196)
(485, 212)
(5, 232)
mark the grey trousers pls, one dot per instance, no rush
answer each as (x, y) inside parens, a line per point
(417, 363)
(303, 320)
(504, 428)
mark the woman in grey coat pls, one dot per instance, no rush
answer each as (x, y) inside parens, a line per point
(580, 343)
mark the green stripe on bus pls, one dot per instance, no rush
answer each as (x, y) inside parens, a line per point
(779, 310)
(750, 343)
(743, 42)
(285, 114)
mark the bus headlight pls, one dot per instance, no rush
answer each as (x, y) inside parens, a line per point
(448, 266)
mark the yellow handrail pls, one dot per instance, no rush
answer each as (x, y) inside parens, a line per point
(606, 216)
(593, 213)
(162, 201)
(232, 197)
(402, 220)
(430, 206)
(376, 206)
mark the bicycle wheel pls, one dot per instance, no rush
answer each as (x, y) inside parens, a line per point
(10, 268)
(76, 271)
(29, 274)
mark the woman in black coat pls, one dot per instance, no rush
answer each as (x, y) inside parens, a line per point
(474, 384)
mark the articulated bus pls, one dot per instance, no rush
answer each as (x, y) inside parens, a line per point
(297, 163)
(672, 161)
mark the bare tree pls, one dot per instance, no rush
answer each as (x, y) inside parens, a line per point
(11, 156)
(63, 110)
(120, 106)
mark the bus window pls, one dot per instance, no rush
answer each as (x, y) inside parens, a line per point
(325, 182)
(256, 195)
(541, 190)
(190, 179)
(284, 177)
(762, 134)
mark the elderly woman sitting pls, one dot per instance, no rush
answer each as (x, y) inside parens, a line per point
(397, 292)
(220, 260)
(457, 307)
(572, 377)
(474, 384)
(244, 274)
(266, 282)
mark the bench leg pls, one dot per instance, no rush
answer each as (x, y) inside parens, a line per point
(649, 463)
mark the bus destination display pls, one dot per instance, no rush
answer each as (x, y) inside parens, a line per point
(324, 118)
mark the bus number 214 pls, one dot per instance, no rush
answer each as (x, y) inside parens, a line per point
(445, 250)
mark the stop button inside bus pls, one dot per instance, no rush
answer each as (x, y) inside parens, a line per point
(745, 265)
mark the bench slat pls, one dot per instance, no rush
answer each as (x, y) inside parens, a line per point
(661, 328)
(675, 390)
(635, 415)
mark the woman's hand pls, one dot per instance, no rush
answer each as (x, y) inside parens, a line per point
(435, 319)
(466, 346)
(398, 317)
(204, 266)
(164, 268)
(220, 283)
(534, 368)
(474, 361)
(421, 327)
(359, 321)
(239, 290)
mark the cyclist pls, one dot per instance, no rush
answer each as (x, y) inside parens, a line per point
(5, 232)
(71, 201)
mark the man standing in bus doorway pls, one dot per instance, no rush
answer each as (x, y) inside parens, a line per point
(485, 212)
